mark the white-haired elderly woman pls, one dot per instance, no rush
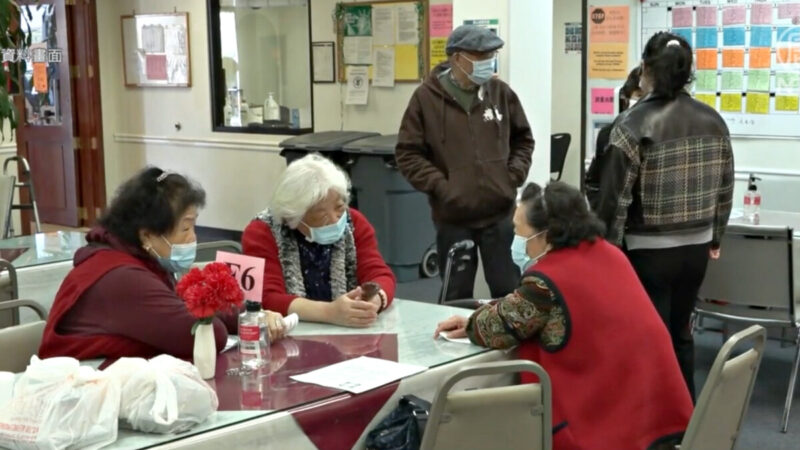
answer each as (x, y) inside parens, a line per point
(318, 251)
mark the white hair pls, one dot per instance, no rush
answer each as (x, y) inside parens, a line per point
(306, 182)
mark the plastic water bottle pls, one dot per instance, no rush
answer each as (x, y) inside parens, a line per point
(253, 345)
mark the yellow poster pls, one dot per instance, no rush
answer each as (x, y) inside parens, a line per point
(406, 62)
(708, 99)
(731, 102)
(786, 103)
(609, 61)
(438, 54)
(757, 103)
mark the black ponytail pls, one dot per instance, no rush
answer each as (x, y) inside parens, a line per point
(669, 67)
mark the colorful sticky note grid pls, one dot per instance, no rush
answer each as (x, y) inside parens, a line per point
(757, 103)
(706, 16)
(733, 58)
(706, 59)
(708, 99)
(685, 33)
(789, 34)
(733, 36)
(732, 80)
(758, 80)
(787, 55)
(734, 15)
(707, 37)
(706, 80)
(761, 13)
(786, 103)
(682, 16)
(731, 102)
(760, 58)
(787, 81)
(760, 36)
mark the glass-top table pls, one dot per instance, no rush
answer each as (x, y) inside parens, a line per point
(41, 248)
(404, 333)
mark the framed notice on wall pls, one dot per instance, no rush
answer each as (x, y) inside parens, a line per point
(155, 50)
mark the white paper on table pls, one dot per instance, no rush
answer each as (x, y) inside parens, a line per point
(359, 374)
(232, 341)
(383, 20)
(407, 24)
(290, 321)
(383, 69)
(464, 340)
(357, 50)
(357, 85)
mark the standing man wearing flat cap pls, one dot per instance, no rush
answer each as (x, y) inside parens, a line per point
(466, 143)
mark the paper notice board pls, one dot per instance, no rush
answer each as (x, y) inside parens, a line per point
(367, 32)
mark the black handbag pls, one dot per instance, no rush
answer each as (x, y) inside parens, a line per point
(402, 429)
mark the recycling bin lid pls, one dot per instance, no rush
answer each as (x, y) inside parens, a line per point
(324, 141)
(374, 145)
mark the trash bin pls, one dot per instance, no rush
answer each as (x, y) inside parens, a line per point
(400, 214)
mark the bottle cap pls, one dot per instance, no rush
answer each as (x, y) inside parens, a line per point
(251, 306)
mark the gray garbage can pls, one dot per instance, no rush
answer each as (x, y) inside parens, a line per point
(400, 214)
(328, 144)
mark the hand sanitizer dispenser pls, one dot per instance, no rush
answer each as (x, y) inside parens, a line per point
(752, 198)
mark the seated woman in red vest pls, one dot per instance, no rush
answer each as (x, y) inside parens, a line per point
(119, 299)
(318, 251)
(582, 314)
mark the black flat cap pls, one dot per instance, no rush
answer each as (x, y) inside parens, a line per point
(472, 38)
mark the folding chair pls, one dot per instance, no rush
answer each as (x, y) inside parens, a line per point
(753, 283)
(719, 413)
(507, 417)
(207, 251)
(559, 145)
(20, 342)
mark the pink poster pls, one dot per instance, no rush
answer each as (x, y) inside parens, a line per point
(682, 17)
(734, 15)
(156, 67)
(441, 20)
(761, 14)
(706, 16)
(602, 101)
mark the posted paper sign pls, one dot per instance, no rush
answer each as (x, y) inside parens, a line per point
(357, 85)
(248, 271)
(359, 374)
(441, 21)
(602, 101)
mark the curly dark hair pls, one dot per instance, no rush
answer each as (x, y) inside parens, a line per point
(152, 200)
(561, 210)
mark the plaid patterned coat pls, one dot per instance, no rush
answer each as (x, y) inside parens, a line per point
(668, 168)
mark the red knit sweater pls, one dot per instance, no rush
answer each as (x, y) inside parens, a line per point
(258, 240)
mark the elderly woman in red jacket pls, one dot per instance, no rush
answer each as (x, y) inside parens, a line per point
(318, 251)
(582, 313)
(119, 300)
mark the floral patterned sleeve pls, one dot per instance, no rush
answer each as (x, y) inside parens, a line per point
(533, 310)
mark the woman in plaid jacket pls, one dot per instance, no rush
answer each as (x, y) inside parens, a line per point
(666, 189)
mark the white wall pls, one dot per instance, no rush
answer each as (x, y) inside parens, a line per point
(566, 71)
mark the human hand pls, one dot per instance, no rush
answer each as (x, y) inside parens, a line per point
(275, 326)
(714, 253)
(350, 311)
(455, 327)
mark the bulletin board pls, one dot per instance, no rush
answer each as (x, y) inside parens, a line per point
(747, 59)
(155, 50)
(388, 36)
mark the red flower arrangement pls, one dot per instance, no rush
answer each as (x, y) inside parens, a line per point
(208, 290)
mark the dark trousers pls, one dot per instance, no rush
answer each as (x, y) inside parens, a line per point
(494, 243)
(672, 277)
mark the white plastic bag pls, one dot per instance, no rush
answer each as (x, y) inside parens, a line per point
(162, 395)
(59, 404)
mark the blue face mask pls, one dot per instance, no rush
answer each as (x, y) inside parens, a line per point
(181, 257)
(482, 70)
(328, 234)
(519, 251)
